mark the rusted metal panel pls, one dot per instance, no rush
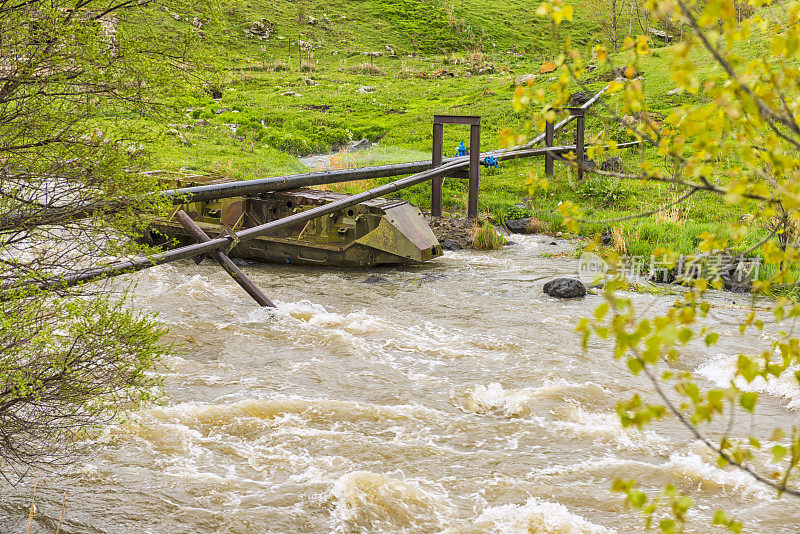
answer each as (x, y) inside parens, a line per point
(374, 232)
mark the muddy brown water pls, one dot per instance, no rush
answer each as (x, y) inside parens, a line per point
(449, 397)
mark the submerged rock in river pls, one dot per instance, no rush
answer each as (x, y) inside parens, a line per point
(565, 288)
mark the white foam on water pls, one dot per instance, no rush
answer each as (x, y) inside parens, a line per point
(373, 336)
(695, 469)
(604, 427)
(721, 369)
(373, 502)
(493, 398)
(585, 466)
(535, 517)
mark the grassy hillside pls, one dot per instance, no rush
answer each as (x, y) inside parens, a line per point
(410, 26)
(449, 60)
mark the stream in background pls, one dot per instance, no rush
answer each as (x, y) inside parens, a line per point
(448, 397)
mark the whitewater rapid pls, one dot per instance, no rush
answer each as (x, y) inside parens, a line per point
(451, 397)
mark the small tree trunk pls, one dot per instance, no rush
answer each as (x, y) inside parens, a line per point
(630, 21)
(614, 24)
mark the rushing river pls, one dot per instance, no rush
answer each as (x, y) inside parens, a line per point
(449, 397)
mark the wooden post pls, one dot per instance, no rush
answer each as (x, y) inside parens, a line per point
(224, 261)
(474, 123)
(549, 137)
(474, 169)
(580, 128)
(436, 161)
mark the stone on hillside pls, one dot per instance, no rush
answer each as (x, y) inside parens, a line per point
(364, 89)
(390, 50)
(580, 98)
(523, 79)
(612, 165)
(262, 29)
(675, 91)
(565, 288)
(355, 146)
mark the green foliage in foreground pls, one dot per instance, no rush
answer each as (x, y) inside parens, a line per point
(68, 368)
(740, 143)
(74, 358)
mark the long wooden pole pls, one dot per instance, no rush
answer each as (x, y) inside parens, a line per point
(224, 261)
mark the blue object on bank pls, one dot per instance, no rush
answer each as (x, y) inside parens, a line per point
(491, 161)
(462, 150)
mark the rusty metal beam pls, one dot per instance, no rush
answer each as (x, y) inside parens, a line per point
(224, 261)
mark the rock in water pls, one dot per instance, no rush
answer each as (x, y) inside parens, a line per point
(451, 244)
(526, 225)
(565, 288)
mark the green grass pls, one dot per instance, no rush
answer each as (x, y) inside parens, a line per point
(487, 238)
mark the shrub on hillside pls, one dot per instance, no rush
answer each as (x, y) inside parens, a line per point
(487, 238)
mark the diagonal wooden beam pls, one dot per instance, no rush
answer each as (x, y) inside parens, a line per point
(224, 261)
